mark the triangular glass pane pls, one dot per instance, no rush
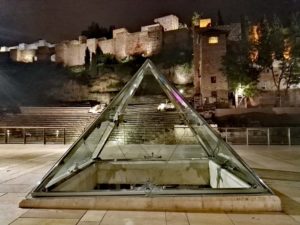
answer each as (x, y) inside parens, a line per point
(151, 127)
(149, 139)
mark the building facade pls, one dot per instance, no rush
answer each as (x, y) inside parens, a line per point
(211, 85)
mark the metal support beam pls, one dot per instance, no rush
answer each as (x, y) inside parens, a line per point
(44, 136)
(289, 136)
(24, 135)
(268, 136)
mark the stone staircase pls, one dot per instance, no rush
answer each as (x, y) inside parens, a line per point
(73, 119)
(144, 124)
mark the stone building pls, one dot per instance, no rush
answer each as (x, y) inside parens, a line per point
(180, 39)
(72, 53)
(40, 50)
(25, 56)
(146, 42)
(124, 44)
(170, 22)
(41, 54)
(210, 83)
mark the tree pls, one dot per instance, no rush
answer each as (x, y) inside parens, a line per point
(87, 58)
(293, 50)
(94, 31)
(242, 75)
(266, 46)
(99, 56)
(94, 67)
(110, 31)
(278, 51)
(195, 18)
(241, 72)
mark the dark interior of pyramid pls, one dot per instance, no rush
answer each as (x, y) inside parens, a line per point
(149, 141)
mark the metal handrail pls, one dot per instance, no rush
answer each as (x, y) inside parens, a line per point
(225, 131)
(29, 127)
(24, 137)
(267, 129)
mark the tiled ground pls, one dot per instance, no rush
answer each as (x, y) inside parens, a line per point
(21, 166)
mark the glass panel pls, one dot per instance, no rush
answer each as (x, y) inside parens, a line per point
(149, 135)
(54, 135)
(34, 135)
(226, 157)
(258, 136)
(77, 156)
(236, 136)
(279, 136)
(295, 135)
(15, 135)
(152, 127)
(222, 132)
(2, 135)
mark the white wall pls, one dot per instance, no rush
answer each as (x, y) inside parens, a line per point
(221, 178)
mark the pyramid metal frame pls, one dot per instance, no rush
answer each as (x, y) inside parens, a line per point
(112, 113)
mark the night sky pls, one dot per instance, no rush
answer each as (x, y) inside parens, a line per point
(56, 20)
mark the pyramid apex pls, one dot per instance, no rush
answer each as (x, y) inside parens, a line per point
(148, 62)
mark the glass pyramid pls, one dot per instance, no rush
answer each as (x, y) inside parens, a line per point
(149, 141)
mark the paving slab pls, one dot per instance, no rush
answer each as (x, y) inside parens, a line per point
(209, 219)
(9, 209)
(54, 214)
(296, 218)
(262, 219)
(87, 223)
(43, 221)
(271, 161)
(93, 216)
(176, 219)
(133, 218)
(15, 188)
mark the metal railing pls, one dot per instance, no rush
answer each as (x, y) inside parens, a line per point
(261, 135)
(232, 135)
(32, 135)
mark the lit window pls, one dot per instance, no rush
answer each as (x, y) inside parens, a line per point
(205, 23)
(213, 40)
(213, 79)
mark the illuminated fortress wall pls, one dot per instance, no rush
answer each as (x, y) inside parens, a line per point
(146, 42)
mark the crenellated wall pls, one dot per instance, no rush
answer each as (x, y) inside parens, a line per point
(170, 22)
(123, 44)
(25, 56)
(146, 42)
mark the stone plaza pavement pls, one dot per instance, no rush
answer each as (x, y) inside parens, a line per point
(22, 166)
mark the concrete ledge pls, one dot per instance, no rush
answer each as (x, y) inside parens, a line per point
(240, 203)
